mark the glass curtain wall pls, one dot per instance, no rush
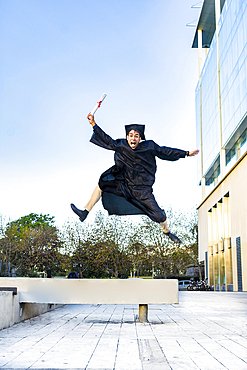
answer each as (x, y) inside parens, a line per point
(233, 65)
(233, 87)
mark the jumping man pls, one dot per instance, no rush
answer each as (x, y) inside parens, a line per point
(133, 174)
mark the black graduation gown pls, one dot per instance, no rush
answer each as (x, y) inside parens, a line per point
(133, 174)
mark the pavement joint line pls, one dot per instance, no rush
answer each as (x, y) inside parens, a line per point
(121, 324)
(98, 341)
(210, 354)
(233, 352)
(186, 353)
(204, 332)
(219, 351)
(159, 344)
(47, 335)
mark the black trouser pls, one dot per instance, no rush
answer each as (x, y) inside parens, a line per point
(140, 196)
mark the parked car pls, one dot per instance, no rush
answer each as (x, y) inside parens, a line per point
(183, 284)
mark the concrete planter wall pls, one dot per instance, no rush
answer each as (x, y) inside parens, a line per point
(13, 312)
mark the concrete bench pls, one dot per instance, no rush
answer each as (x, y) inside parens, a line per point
(96, 291)
(8, 289)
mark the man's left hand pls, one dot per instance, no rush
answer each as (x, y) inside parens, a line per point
(194, 152)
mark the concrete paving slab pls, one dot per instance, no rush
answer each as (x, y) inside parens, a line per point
(206, 330)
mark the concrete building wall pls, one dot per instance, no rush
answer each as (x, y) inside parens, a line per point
(225, 211)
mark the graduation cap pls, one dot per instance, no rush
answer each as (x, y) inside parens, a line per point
(136, 127)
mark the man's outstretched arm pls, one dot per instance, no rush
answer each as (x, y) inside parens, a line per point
(173, 154)
(99, 137)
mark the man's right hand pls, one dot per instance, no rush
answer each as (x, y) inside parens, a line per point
(91, 120)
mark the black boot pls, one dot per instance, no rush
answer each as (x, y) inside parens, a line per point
(173, 237)
(82, 214)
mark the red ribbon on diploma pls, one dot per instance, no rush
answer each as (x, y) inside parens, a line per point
(98, 104)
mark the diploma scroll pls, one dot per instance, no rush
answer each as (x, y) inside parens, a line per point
(93, 111)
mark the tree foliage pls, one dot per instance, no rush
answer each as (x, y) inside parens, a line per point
(30, 244)
(109, 247)
(98, 250)
(117, 247)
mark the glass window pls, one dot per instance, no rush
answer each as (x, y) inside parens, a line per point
(233, 85)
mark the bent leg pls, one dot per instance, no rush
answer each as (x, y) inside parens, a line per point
(165, 227)
(148, 203)
(166, 230)
(145, 200)
(94, 198)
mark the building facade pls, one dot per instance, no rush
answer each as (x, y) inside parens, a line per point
(221, 124)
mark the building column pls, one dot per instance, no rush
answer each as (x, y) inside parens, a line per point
(200, 90)
(222, 150)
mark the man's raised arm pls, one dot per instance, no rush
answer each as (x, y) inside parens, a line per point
(99, 137)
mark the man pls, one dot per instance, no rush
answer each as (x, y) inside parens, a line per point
(133, 174)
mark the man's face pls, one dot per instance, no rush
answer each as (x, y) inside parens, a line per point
(133, 139)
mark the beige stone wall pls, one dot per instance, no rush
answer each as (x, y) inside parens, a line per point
(236, 184)
(13, 312)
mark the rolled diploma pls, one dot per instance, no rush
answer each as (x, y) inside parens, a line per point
(98, 104)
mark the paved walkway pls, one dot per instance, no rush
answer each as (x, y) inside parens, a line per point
(207, 330)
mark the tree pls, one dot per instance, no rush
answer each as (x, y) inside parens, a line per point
(137, 249)
(3, 264)
(31, 244)
(191, 242)
(109, 247)
(111, 233)
(79, 242)
(113, 246)
(99, 249)
(167, 258)
(159, 247)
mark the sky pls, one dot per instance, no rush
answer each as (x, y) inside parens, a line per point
(57, 58)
